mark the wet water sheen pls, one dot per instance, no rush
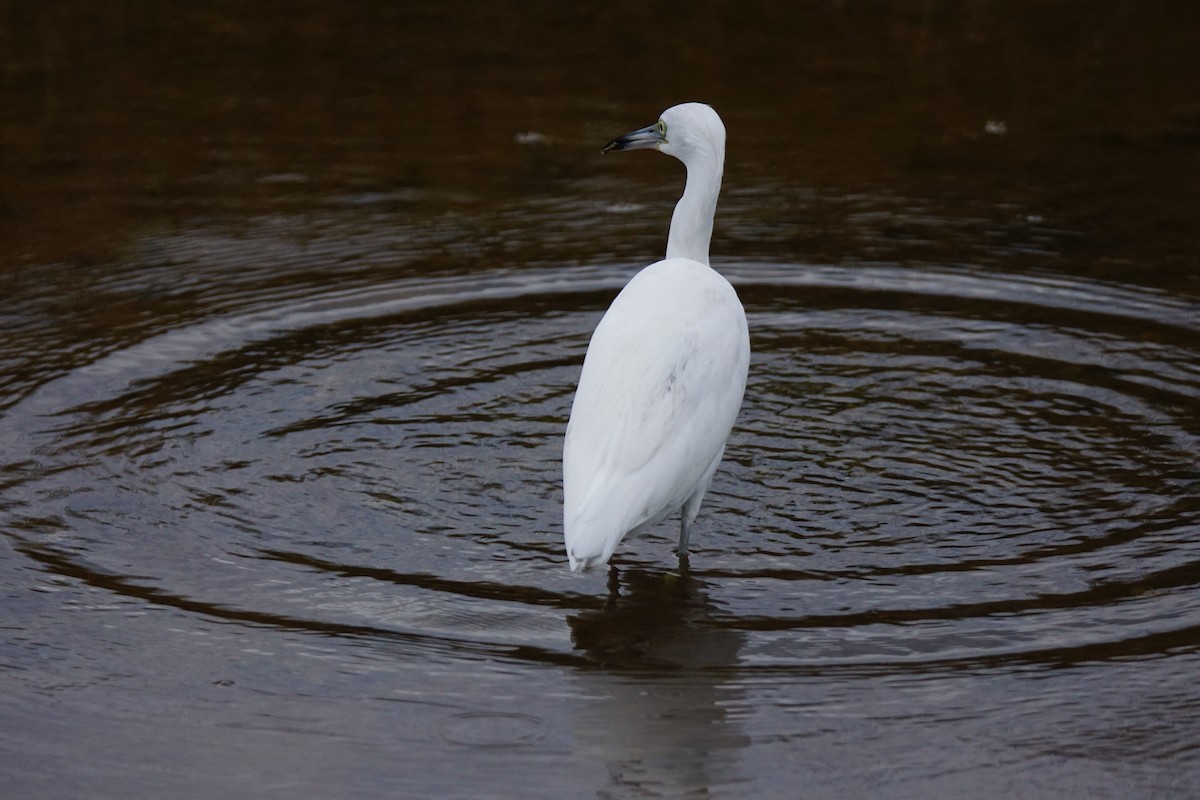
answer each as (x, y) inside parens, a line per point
(280, 432)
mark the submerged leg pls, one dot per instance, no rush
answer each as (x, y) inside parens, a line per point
(614, 585)
(685, 531)
(684, 564)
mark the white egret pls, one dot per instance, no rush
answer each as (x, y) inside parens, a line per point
(665, 371)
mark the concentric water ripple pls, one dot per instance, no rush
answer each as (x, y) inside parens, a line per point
(935, 467)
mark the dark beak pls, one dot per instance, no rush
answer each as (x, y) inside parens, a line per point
(644, 139)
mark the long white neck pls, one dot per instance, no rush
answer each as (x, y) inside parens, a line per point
(692, 222)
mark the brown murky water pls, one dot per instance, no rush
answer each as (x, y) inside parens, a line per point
(296, 298)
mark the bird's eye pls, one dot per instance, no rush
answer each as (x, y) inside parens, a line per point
(662, 128)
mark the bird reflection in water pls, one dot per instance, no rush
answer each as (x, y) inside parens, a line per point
(655, 707)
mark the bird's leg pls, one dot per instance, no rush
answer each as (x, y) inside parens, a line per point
(614, 585)
(685, 531)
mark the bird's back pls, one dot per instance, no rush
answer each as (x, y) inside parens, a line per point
(661, 386)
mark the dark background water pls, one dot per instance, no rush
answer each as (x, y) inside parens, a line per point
(296, 295)
(139, 115)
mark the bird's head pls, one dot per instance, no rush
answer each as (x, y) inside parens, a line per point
(686, 131)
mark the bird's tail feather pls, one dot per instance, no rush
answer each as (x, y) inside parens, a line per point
(590, 545)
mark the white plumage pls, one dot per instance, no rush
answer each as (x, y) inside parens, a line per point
(665, 371)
